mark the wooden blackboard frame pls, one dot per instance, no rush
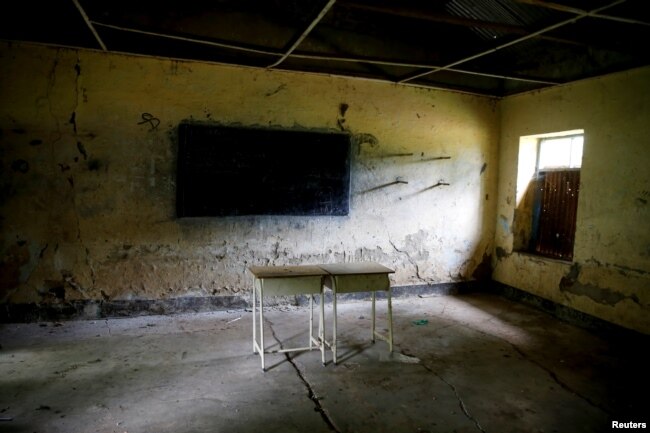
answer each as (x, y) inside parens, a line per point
(236, 170)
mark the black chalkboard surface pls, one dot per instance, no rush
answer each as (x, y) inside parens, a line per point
(226, 170)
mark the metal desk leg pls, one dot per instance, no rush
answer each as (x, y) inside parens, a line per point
(321, 327)
(390, 321)
(262, 327)
(334, 320)
(311, 320)
(254, 314)
(373, 317)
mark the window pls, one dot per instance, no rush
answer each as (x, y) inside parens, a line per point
(547, 192)
(561, 152)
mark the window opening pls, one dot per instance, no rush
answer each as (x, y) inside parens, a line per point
(545, 218)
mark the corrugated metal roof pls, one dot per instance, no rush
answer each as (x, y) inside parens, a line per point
(493, 47)
(497, 11)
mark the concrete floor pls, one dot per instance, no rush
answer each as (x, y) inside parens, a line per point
(472, 363)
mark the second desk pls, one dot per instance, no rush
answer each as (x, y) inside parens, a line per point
(359, 277)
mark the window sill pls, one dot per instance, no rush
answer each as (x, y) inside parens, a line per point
(540, 257)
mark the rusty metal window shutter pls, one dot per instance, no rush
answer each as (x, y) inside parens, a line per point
(556, 213)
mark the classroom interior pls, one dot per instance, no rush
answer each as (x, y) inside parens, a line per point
(117, 315)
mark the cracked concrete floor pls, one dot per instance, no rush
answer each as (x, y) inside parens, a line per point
(471, 363)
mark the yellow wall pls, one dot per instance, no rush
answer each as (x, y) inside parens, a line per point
(610, 274)
(87, 189)
(87, 194)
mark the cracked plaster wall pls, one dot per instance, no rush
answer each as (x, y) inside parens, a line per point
(88, 148)
(610, 274)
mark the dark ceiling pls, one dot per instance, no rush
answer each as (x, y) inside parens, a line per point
(490, 47)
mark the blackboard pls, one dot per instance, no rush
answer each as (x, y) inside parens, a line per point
(232, 170)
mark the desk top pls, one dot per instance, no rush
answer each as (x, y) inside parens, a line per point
(357, 268)
(286, 271)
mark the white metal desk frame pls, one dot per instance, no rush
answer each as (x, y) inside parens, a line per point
(286, 281)
(360, 277)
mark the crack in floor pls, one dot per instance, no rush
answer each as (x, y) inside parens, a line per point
(310, 391)
(553, 376)
(461, 403)
(548, 371)
(460, 400)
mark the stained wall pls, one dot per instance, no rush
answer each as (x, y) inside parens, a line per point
(609, 276)
(88, 158)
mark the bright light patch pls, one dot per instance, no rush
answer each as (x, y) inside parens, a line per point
(560, 152)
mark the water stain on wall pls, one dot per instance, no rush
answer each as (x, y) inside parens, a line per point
(364, 138)
(82, 149)
(20, 165)
(53, 290)
(505, 224)
(340, 121)
(113, 211)
(11, 264)
(501, 253)
(277, 90)
(94, 164)
(570, 284)
(483, 271)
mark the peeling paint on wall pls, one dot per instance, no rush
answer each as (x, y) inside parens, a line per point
(501, 253)
(483, 272)
(570, 284)
(100, 145)
(609, 275)
(13, 260)
(505, 224)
